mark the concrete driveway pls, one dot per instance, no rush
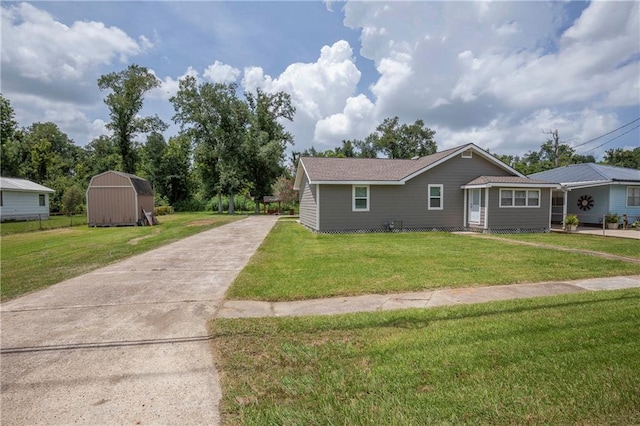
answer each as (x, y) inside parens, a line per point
(125, 344)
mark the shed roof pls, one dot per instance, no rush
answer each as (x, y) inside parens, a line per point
(141, 185)
(22, 185)
(381, 171)
(588, 172)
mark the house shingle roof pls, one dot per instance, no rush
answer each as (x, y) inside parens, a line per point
(484, 180)
(588, 172)
(323, 169)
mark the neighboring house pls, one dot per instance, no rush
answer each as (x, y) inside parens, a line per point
(119, 199)
(21, 199)
(463, 188)
(590, 191)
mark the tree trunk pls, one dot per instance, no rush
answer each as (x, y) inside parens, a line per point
(232, 209)
(256, 209)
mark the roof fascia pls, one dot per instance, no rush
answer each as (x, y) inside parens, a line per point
(357, 182)
(298, 181)
(512, 185)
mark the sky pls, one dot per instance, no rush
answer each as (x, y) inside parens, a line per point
(498, 74)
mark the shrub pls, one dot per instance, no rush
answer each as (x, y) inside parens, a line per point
(163, 210)
(612, 218)
(571, 219)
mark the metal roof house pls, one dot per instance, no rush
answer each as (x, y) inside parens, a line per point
(593, 190)
(462, 188)
(118, 199)
(21, 199)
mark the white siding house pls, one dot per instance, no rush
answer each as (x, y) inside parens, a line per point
(21, 199)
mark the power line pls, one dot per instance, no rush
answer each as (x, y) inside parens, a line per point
(601, 136)
(611, 140)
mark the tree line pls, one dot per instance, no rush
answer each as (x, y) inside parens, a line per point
(227, 145)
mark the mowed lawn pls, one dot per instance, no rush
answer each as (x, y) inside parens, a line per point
(34, 260)
(571, 359)
(294, 263)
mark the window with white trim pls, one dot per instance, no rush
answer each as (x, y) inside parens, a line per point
(41, 200)
(519, 198)
(633, 196)
(435, 197)
(360, 198)
(467, 154)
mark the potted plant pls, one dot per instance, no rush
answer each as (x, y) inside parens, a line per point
(612, 219)
(571, 222)
(636, 225)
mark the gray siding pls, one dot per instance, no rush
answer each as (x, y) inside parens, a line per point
(519, 217)
(406, 203)
(308, 204)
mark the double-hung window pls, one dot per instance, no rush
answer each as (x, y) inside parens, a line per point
(519, 198)
(360, 198)
(41, 200)
(435, 197)
(633, 196)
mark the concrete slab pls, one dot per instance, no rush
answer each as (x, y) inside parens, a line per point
(425, 299)
(126, 344)
(616, 283)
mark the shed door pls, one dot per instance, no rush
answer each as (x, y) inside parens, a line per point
(474, 206)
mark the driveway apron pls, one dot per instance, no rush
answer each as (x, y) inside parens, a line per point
(125, 344)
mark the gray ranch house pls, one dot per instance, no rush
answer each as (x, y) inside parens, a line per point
(462, 188)
(591, 190)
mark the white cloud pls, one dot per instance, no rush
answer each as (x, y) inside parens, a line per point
(356, 121)
(169, 86)
(221, 73)
(494, 73)
(36, 46)
(318, 90)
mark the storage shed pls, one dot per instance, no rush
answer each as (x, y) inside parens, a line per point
(119, 199)
(21, 199)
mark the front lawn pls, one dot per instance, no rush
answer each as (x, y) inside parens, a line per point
(34, 260)
(570, 359)
(294, 263)
(619, 246)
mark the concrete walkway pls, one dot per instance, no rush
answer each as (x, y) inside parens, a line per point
(423, 299)
(125, 344)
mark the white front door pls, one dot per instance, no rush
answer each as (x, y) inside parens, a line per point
(474, 206)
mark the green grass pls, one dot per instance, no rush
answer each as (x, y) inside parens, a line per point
(294, 263)
(33, 260)
(627, 247)
(570, 359)
(54, 222)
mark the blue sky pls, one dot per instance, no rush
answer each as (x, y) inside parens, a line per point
(497, 74)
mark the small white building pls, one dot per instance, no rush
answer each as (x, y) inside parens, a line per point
(21, 199)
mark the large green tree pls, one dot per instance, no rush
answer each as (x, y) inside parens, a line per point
(266, 141)
(623, 158)
(174, 177)
(12, 152)
(125, 101)
(151, 159)
(216, 120)
(544, 158)
(397, 140)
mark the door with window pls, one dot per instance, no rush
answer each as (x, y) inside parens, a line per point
(474, 206)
